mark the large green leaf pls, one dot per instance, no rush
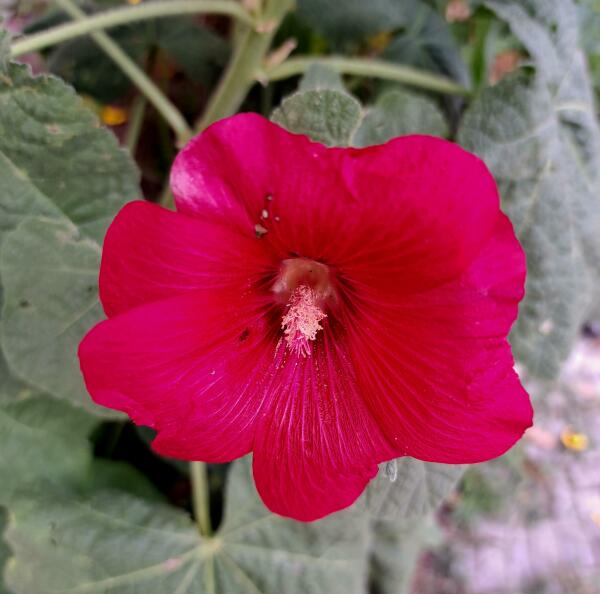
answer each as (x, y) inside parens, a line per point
(4, 50)
(5, 552)
(352, 20)
(421, 37)
(427, 42)
(11, 388)
(397, 113)
(197, 50)
(56, 161)
(396, 549)
(406, 489)
(539, 135)
(549, 31)
(280, 555)
(112, 474)
(589, 18)
(113, 542)
(55, 158)
(50, 275)
(84, 65)
(327, 116)
(107, 542)
(41, 438)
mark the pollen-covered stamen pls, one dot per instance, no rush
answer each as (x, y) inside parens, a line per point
(302, 320)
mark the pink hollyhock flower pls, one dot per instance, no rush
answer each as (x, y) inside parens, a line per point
(324, 308)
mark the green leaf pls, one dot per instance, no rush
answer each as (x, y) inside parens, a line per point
(5, 552)
(55, 159)
(281, 556)
(395, 551)
(111, 474)
(326, 116)
(526, 148)
(319, 77)
(549, 31)
(194, 47)
(50, 275)
(11, 389)
(413, 490)
(539, 135)
(400, 502)
(107, 542)
(41, 438)
(197, 50)
(427, 42)
(4, 50)
(352, 20)
(84, 65)
(113, 542)
(397, 113)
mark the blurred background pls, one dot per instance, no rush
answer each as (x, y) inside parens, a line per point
(529, 523)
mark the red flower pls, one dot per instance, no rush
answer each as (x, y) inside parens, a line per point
(327, 309)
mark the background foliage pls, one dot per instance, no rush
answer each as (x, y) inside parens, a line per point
(84, 505)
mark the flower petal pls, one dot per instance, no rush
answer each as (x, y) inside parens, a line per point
(430, 206)
(151, 253)
(317, 446)
(436, 369)
(407, 215)
(192, 367)
(251, 174)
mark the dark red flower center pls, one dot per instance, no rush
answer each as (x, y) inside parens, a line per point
(304, 286)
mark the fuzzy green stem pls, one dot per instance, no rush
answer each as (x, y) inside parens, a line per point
(370, 68)
(245, 65)
(142, 81)
(166, 197)
(136, 119)
(125, 15)
(201, 497)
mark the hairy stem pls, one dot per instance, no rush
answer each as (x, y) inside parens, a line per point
(201, 497)
(124, 15)
(370, 68)
(246, 64)
(136, 119)
(142, 81)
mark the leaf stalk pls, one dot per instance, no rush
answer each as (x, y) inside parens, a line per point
(126, 15)
(201, 497)
(369, 67)
(141, 80)
(246, 64)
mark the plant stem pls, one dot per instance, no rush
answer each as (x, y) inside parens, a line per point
(166, 196)
(201, 497)
(142, 81)
(124, 15)
(245, 65)
(136, 119)
(370, 68)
